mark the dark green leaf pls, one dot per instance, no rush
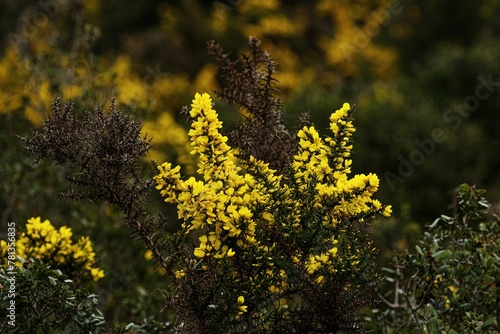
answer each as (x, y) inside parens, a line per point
(442, 255)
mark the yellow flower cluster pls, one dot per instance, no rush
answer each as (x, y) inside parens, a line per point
(326, 165)
(221, 203)
(42, 240)
(239, 209)
(315, 262)
(327, 162)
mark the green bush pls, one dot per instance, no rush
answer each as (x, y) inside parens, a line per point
(449, 283)
(45, 302)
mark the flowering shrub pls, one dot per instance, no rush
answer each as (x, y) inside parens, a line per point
(272, 249)
(449, 284)
(271, 236)
(55, 247)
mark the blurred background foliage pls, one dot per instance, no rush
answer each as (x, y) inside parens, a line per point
(410, 66)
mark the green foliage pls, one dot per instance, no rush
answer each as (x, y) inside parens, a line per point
(449, 284)
(46, 302)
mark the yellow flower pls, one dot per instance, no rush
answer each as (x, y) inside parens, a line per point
(180, 273)
(148, 255)
(387, 211)
(199, 252)
(230, 252)
(453, 289)
(97, 274)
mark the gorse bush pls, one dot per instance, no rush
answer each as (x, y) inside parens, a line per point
(449, 283)
(260, 248)
(275, 252)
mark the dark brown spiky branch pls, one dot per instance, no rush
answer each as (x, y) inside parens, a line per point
(249, 83)
(100, 152)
